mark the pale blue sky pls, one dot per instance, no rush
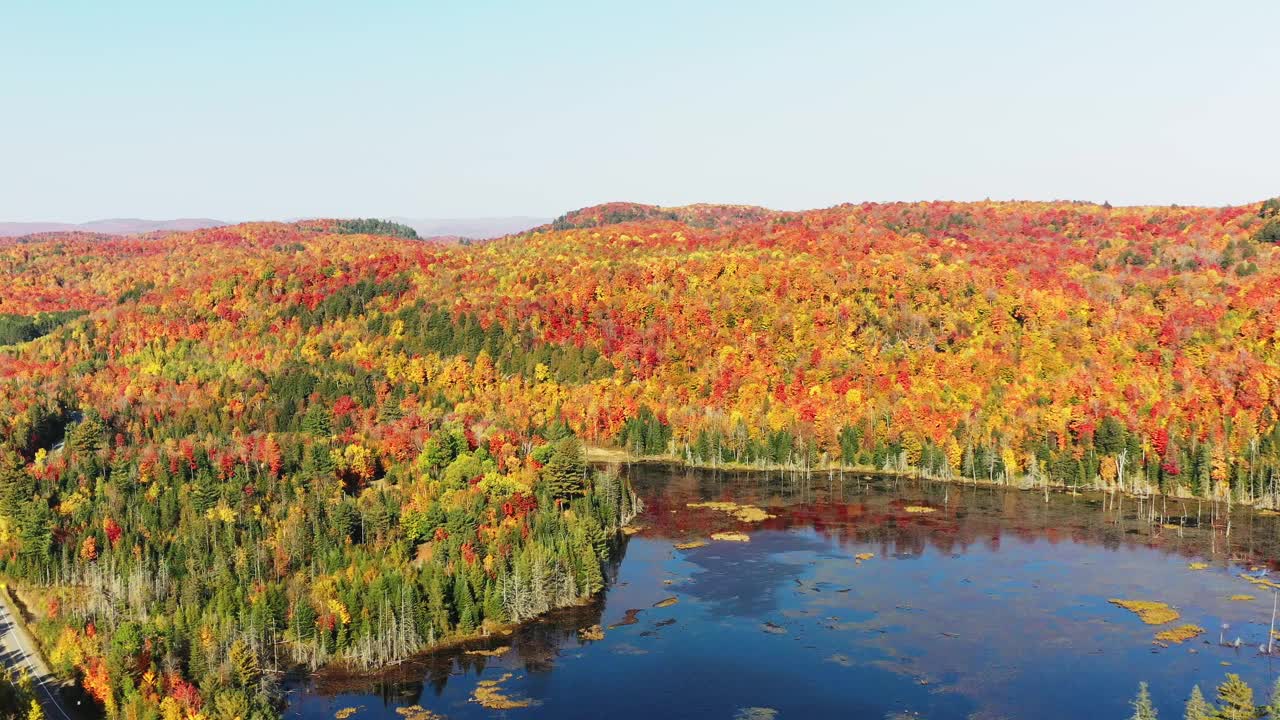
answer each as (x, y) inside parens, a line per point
(270, 109)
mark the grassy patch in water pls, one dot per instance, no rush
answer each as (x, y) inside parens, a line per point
(1197, 565)
(691, 544)
(417, 712)
(489, 694)
(666, 602)
(1242, 598)
(731, 537)
(595, 632)
(1150, 611)
(1182, 633)
(863, 556)
(345, 713)
(1261, 581)
(744, 513)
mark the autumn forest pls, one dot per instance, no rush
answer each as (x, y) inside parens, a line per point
(230, 452)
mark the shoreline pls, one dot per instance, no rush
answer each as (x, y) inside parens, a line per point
(336, 675)
(604, 456)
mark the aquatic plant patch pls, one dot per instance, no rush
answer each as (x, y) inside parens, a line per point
(744, 513)
(489, 694)
(1150, 611)
(1179, 634)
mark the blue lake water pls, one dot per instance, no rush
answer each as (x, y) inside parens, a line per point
(994, 604)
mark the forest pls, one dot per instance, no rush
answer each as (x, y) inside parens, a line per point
(235, 451)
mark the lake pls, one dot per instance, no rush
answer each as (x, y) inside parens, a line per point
(866, 598)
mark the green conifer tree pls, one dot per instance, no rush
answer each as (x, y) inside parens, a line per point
(1142, 707)
(244, 662)
(593, 578)
(464, 603)
(566, 469)
(493, 610)
(1236, 699)
(87, 436)
(316, 422)
(1197, 707)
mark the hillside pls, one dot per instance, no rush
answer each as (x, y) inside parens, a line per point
(113, 226)
(312, 432)
(703, 215)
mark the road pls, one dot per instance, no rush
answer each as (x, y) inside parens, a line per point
(18, 653)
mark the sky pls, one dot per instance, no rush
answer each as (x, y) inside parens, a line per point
(269, 109)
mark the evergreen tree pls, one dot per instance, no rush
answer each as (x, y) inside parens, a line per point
(1142, 707)
(1235, 699)
(1109, 437)
(316, 422)
(16, 486)
(36, 530)
(1197, 707)
(593, 578)
(87, 436)
(493, 604)
(565, 472)
(464, 603)
(244, 662)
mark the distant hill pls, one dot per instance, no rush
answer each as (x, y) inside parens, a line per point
(474, 228)
(111, 226)
(440, 229)
(701, 215)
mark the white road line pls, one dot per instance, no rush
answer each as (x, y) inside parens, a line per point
(31, 666)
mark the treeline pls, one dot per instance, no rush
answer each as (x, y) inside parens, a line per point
(1234, 701)
(373, 226)
(15, 329)
(1109, 456)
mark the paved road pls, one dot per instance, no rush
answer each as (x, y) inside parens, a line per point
(17, 652)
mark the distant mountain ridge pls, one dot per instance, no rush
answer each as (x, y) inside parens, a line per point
(110, 226)
(447, 229)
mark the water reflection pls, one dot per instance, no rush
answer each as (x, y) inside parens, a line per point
(857, 510)
(863, 597)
